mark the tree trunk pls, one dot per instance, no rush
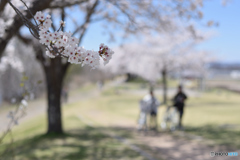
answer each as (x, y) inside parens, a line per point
(164, 82)
(130, 77)
(201, 83)
(54, 78)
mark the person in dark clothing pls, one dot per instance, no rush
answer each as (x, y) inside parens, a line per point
(179, 103)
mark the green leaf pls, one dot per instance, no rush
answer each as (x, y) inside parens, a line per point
(39, 82)
(24, 78)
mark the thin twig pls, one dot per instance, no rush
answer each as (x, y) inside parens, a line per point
(32, 28)
(29, 11)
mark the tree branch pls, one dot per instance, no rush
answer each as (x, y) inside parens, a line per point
(61, 4)
(131, 19)
(83, 28)
(63, 17)
(87, 20)
(53, 25)
(37, 5)
(2, 5)
(64, 65)
(38, 49)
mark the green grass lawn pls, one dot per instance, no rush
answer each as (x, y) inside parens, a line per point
(214, 115)
(80, 141)
(84, 143)
(216, 107)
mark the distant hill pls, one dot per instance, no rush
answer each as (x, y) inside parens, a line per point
(223, 70)
(224, 66)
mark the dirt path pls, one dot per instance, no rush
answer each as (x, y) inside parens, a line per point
(166, 146)
(181, 147)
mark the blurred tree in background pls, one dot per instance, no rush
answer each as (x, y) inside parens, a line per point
(17, 61)
(154, 57)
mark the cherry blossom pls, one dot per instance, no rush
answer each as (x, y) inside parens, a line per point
(65, 45)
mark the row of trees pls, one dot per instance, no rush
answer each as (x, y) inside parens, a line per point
(154, 57)
(17, 62)
(131, 17)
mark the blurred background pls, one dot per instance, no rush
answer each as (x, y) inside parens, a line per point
(66, 111)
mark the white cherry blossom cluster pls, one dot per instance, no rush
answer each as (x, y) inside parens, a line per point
(11, 115)
(63, 44)
(105, 52)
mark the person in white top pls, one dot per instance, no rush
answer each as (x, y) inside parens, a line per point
(149, 105)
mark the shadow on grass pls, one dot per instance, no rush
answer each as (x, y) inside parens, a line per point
(87, 143)
(220, 135)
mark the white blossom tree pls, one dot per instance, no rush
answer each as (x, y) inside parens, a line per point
(195, 65)
(154, 57)
(11, 68)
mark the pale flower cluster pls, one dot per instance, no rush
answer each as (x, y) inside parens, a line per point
(63, 44)
(11, 115)
(14, 115)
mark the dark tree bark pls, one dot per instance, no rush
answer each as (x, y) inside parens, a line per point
(2, 5)
(164, 82)
(130, 77)
(54, 74)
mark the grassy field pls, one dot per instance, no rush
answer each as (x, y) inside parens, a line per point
(214, 116)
